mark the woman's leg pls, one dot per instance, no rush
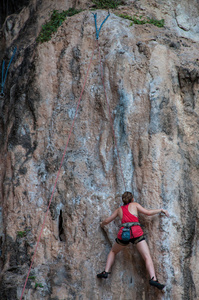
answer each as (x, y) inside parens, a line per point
(111, 257)
(144, 251)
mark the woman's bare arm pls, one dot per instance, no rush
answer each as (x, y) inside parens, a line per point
(151, 212)
(109, 219)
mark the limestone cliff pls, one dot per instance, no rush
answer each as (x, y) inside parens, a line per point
(152, 85)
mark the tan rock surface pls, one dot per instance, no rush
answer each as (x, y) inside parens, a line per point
(152, 83)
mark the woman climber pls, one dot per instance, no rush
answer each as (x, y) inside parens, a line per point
(128, 213)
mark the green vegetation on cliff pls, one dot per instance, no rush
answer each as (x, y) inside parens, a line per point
(140, 20)
(21, 234)
(55, 22)
(107, 3)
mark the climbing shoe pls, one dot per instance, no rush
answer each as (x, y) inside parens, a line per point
(104, 274)
(156, 284)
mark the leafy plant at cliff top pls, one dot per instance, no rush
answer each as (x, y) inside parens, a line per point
(107, 3)
(55, 22)
(140, 20)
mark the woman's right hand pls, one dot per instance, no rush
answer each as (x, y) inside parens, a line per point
(164, 211)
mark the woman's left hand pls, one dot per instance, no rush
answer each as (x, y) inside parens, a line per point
(101, 224)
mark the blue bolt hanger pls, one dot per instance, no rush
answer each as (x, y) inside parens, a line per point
(98, 31)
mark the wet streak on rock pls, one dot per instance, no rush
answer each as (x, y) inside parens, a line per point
(61, 228)
(187, 80)
(188, 213)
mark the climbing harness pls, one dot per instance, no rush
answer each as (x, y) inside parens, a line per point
(126, 231)
(3, 79)
(102, 78)
(128, 225)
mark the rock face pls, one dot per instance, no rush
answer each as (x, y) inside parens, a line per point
(151, 79)
(9, 7)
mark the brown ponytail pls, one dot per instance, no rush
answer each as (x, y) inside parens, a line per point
(127, 197)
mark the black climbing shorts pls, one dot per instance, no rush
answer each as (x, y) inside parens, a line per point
(133, 240)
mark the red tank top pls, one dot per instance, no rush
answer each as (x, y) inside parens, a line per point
(136, 230)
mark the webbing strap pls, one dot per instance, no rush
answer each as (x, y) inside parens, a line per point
(98, 31)
(141, 238)
(130, 224)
